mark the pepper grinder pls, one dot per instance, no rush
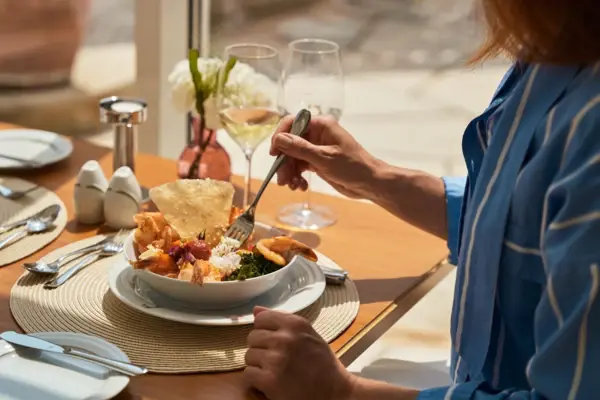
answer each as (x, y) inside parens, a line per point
(125, 115)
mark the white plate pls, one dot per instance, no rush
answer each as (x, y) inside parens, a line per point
(300, 287)
(36, 375)
(40, 148)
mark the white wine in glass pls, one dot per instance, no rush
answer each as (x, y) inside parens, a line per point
(312, 79)
(248, 127)
(248, 108)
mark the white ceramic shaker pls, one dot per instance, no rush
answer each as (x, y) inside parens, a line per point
(122, 200)
(90, 189)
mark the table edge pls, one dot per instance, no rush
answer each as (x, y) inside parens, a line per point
(364, 338)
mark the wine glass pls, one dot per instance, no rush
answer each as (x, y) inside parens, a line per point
(312, 79)
(247, 99)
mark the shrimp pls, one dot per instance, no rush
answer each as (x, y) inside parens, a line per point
(281, 249)
(159, 219)
(153, 230)
(167, 237)
(146, 231)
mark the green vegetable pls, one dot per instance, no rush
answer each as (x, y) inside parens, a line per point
(252, 266)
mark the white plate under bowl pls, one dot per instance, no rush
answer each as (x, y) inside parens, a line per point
(214, 295)
(30, 374)
(41, 148)
(300, 287)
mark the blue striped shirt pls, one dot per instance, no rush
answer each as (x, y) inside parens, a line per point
(524, 232)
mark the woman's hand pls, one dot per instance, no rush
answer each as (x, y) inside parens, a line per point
(330, 151)
(288, 360)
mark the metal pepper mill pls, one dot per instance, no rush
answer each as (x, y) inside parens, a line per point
(125, 115)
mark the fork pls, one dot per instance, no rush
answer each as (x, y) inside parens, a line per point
(243, 226)
(109, 248)
(12, 194)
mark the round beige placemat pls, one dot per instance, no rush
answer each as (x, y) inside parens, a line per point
(15, 210)
(85, 304)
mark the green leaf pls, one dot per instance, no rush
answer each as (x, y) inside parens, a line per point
(193, 56)
(224, 73)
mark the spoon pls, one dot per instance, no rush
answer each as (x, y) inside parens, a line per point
(42, 267)
(40, 222)
(12, 194)
(110, 248)
(46, 211)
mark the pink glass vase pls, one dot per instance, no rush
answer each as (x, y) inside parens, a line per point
(204, 157)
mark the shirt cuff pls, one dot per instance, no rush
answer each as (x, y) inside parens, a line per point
(455, 190)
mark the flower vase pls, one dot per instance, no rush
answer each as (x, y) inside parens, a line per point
(204, 157)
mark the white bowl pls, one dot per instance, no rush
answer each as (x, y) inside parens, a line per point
(212, 295)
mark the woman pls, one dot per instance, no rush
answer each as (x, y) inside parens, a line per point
(523, 228)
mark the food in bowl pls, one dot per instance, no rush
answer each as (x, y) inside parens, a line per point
(185, 239)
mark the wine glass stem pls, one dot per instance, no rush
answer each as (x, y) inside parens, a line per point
(307, 198)
(248, 180)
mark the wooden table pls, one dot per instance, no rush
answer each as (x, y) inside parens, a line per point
(389, 260)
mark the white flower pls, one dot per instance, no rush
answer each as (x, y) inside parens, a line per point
(244, 86)
(240, 74)
(183, 94)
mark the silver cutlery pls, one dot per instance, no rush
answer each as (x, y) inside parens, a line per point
(39, 223)
(108, 249)
(61, 279)
(41, 267)
(334, 276)
(32, 342)
(50, 210)
(12, 194)
(243, 226)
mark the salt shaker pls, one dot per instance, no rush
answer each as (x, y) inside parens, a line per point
(122, 200)
(125, 115)
(90, 189)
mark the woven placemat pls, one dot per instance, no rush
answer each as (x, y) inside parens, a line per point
(14, 210)
(86, 305)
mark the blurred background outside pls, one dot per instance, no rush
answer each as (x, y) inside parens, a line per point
(408, 94)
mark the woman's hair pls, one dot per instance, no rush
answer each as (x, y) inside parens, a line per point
(542, 31)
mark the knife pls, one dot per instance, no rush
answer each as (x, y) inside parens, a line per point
(13, 225)
(43, 345)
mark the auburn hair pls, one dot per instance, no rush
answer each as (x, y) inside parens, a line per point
(541, 31)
